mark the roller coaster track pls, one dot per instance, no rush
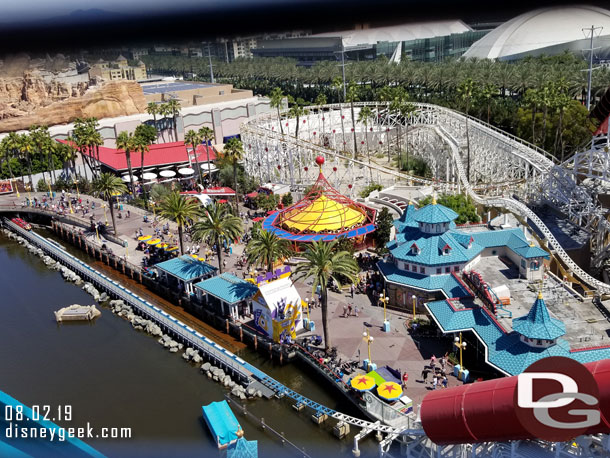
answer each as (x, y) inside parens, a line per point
(448, 124)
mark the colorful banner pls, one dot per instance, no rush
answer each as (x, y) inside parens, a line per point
(6, 187)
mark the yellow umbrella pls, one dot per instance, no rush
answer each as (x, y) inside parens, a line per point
(362, 382)
(171, 248)
(144, 238)
(154, 241)
(115, 193)
(163, 245)
(194, 256)
(389, 390)
(201, 259)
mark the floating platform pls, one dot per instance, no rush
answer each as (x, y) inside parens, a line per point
(77, 313)
(222, 423)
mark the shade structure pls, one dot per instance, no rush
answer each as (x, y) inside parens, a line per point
(125, 178)
(167, 173)
(154, 242)
(116, 193)
(208, 168)
(162, 245)
(324, 214)
(194, 256)
(389, 391)
(144, 238)
(362, 383)
(186, 171)
(171, 248)
(149, 176)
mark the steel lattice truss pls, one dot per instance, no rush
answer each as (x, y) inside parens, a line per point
(499, 162)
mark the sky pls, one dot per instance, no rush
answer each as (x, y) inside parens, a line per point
(27, 10)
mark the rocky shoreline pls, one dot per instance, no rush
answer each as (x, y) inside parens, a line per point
(120, 308)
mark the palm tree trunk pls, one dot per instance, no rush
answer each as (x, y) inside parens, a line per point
(235, 184)
(156, 128)
(207, 149)
(128, 157)
(325, 327)
(219, 254)
(534, 110)
(30, 172)
(112, 215)
(279, 120)
(180, 239)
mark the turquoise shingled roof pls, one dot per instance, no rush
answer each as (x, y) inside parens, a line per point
(513, 239)
(448, 284)
(431, 248)
(538, 324)
(228, 288)
(502, 349)
(186, 268)
(434, 214)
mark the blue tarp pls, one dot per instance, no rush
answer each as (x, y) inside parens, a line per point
(221, 421)
(243, 449)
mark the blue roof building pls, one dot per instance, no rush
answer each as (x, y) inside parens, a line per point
(229, 294)
(180, 273)
(535, 336)
(430, 252)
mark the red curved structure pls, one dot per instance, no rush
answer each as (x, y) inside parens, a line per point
(484, 411)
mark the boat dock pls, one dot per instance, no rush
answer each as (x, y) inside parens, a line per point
(242, 371)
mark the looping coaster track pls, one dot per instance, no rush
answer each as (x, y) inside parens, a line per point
(504, 170)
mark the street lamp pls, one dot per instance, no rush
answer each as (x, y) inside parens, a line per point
(309, 325)
(462, 346)
(386, 323)
(105, 216)
(414, 305)
(368, 338)
(77, 191)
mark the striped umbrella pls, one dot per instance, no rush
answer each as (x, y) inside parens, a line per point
(362, 382)
(163, 245)
(154, 241)
(144, 238)
(171, 248)
(389, 390)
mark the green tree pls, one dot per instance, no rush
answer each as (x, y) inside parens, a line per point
(26, 148)
(365, 116)
(323, 264)
(105, 186)
(287, 199)
(277, 98)
(125, 141)
(141, 144)
(352, 96)
(466, 90)
(172, 108)
(266, 249)
(216, 227)
(233, 151)
(180, 209)
(384, 223)
(207, 135)
(153, 109)
(370, 188)
(194, 138)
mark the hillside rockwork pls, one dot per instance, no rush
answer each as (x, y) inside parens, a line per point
(29, 99)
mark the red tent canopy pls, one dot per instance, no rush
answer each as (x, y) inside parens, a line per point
(226, 191)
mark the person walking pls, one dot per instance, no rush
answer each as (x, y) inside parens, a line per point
(405, 378)
(445, 381)
(349, 310)
(424, 375)
(351, 290)
(344, 311)
(434, 382)
(356, 310)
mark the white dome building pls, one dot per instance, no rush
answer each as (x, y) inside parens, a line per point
(548, 31)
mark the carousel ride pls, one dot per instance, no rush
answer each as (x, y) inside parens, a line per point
(323, 214)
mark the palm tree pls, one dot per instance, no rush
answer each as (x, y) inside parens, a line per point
(466, 89)
(26, 147)
(234, 152)
(277, 99)
(366, 115)
(10, 149)
(173, 108)
(141, 145)
(487, 94)
(207, 135)
(106, 186)
(125, 141)
(180, 209)
(194, 138)
(266, 249)
(323, 264)
(153, 109)
(216, 227)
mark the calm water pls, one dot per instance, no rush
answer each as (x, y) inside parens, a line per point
(114, 376)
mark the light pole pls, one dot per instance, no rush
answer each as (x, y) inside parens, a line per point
(386, 323)
(414, 305)
(77, 191)
(368, 338)
(462, 346)
(105, 216)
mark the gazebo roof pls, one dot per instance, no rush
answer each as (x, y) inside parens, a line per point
(538, 324)
(323, 214)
